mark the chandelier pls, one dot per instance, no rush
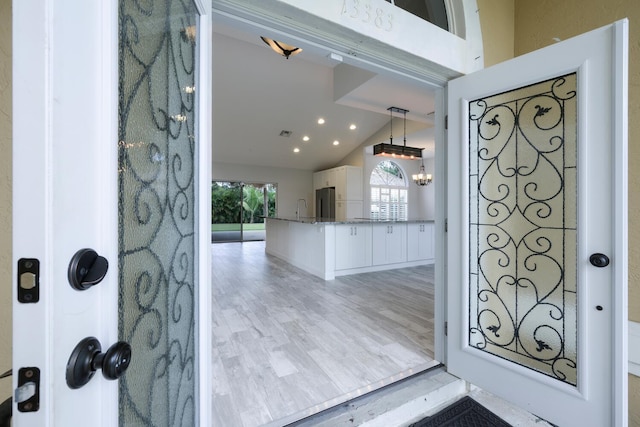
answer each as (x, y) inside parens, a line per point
(422, 178)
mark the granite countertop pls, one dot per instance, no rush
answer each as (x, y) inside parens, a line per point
(314, 220)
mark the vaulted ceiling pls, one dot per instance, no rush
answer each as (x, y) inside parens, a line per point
(257, 94)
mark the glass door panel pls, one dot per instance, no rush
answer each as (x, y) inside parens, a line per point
(239, 210)
(523, 281)
(226, 211)
(157, 211)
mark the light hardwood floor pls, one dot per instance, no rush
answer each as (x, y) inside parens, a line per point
(287, 343)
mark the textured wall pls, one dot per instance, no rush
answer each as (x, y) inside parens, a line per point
(5, 195)
(497, 24)
(537, 23)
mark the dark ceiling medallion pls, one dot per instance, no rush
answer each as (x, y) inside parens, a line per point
(281, 48)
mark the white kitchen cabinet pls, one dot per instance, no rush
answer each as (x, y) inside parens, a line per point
(420, 241)
(348, 180)
(348, 209)
(323, 179)
(389, 243)
(353, 246)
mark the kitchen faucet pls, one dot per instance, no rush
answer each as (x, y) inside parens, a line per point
(298, 207)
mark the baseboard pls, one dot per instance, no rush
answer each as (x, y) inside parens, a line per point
(634, 348)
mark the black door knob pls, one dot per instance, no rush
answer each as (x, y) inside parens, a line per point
(599, 260)
(87, 358)
(86, 269)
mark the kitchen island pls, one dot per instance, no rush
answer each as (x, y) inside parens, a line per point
(328, 248)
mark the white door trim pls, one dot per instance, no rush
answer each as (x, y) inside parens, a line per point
(204, 295)
(621, 221)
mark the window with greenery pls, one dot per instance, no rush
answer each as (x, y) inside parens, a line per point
(388, 192)
(235, 202)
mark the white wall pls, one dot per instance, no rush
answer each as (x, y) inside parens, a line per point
(293, 184)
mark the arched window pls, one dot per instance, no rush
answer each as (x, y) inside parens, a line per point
(388, 192)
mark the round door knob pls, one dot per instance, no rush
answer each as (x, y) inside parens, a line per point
(599, 260)
(87, 358)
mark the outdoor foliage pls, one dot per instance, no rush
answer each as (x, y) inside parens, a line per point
(228, 199)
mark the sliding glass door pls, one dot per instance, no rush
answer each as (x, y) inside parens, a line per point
(238, 210)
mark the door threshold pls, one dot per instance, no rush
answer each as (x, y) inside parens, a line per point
(409, 400)
(431, 385)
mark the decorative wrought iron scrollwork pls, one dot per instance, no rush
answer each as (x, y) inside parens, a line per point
(157, 255)
(522, 185)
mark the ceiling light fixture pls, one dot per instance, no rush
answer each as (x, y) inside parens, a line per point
(421, 178)
(305, 138)
(401, 151)
(320, 121)
(336, 142)
(281, 48)
(352, 127)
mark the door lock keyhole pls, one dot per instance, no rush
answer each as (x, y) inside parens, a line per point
(599, 260)
(86, 269)
(87, 358)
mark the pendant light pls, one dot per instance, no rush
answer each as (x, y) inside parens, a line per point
(401, 151)
(422, 178)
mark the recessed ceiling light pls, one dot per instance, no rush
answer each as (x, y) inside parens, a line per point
(296, 150)
(336, 142)
(305, 138)
(352, 126)
(320, 121)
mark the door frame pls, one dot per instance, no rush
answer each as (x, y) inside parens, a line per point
(318, 32)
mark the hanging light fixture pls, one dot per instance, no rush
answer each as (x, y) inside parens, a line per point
(281, 48)
(401, 151)
(422, 178)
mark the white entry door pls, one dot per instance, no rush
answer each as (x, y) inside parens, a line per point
(537, 259)
(111, 212)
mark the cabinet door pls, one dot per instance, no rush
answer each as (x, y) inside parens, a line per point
(348, 183)
(428, 243)
(318, 180)
(340, 180)
(348, 209)
(344, 233)
(379, 247)
(420, 244)
(330, 178)
(389, 244)
(396, 243)
(361, 249)
(353, 246)
(353, 183)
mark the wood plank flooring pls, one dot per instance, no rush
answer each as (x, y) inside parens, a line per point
(286, 342)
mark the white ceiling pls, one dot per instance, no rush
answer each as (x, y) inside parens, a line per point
(258, 93)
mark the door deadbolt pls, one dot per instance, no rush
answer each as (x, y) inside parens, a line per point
(599, 260)
(86, 269)
(87, 358)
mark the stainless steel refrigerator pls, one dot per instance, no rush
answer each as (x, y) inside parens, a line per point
(326, 203)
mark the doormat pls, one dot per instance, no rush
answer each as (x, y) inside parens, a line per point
(466, 412)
